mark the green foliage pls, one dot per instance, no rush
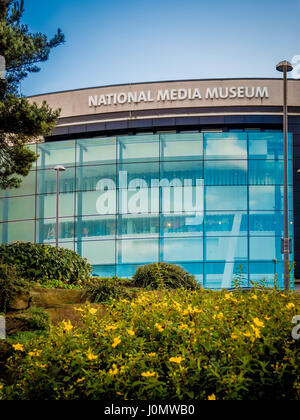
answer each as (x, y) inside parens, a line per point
(167, 275)
(44, 263)
(21, 122)
(36, 319)
(25, 336)
(167, 345)
(104, 289)
(60, 284)
(11, 284)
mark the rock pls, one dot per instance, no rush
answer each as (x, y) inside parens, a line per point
(47, 298)
(68, 312)
(21, 302)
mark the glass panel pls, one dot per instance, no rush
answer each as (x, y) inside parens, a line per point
(265, 248)
(268, 223)
(182, 224)
(222, 275)
(182, 249)
(268, 197)
(181, 173)
(126, 271)
(188, 146)
(102, 252)
(268, 146)
(46, 230)
(231, 172)
(46, 205)
(196, 269)
(67, 245)
(266, 271)
(92, 178)
(224, 248)
(18, 231)
(104, 270)
(225, 146)
(138, 200)
(56, 153)
(234, 223)
(141, 226)
(27, 187)
(96, 203)
(46, 181)
(268, 172)
(182, 199)
(138, 148)
(96, 151)
(17, 208)
(95, 227)
(226, 198)
(138, 175)
(137, 251)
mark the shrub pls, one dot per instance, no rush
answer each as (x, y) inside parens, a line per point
(171, 276)
(11, 285)
(104, 289)
(42, 263)
(167, 345)
(36, 319)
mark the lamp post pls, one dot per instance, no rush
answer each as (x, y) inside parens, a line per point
(58, 169)
(285, 67)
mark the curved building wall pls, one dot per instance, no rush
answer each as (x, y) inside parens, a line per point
(198, 182)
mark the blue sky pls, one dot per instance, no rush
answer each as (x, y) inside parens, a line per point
(123, 41)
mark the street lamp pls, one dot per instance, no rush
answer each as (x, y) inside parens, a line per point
(58, 169)
(285, 67)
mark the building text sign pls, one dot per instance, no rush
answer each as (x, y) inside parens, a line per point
(181, 94)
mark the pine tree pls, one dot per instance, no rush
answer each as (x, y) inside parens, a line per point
(21, 122)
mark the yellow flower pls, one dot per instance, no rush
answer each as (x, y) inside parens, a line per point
(110, 328)
(79, 309)
(212, 397)
(177, 359)
(258, 323)
(113, 371)
(256, 331)
(247, 334)
(159, 327)
(290, 306)
(34, 353)
(267, 318)
(131, 333)
(234, 336)
(254, 297)
(183, 327)
(221, 316)
(116, 342)
(149, 374)
(152, 354)
(18, 347)
(67, 326)
(91, 356)
(93, 311)
(80, 380)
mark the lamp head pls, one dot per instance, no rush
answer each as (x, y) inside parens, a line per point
(284, 66)
(59, 168)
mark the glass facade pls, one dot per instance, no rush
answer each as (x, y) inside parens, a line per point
(210, 202)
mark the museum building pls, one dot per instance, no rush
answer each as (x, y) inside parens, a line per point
(187, 172)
